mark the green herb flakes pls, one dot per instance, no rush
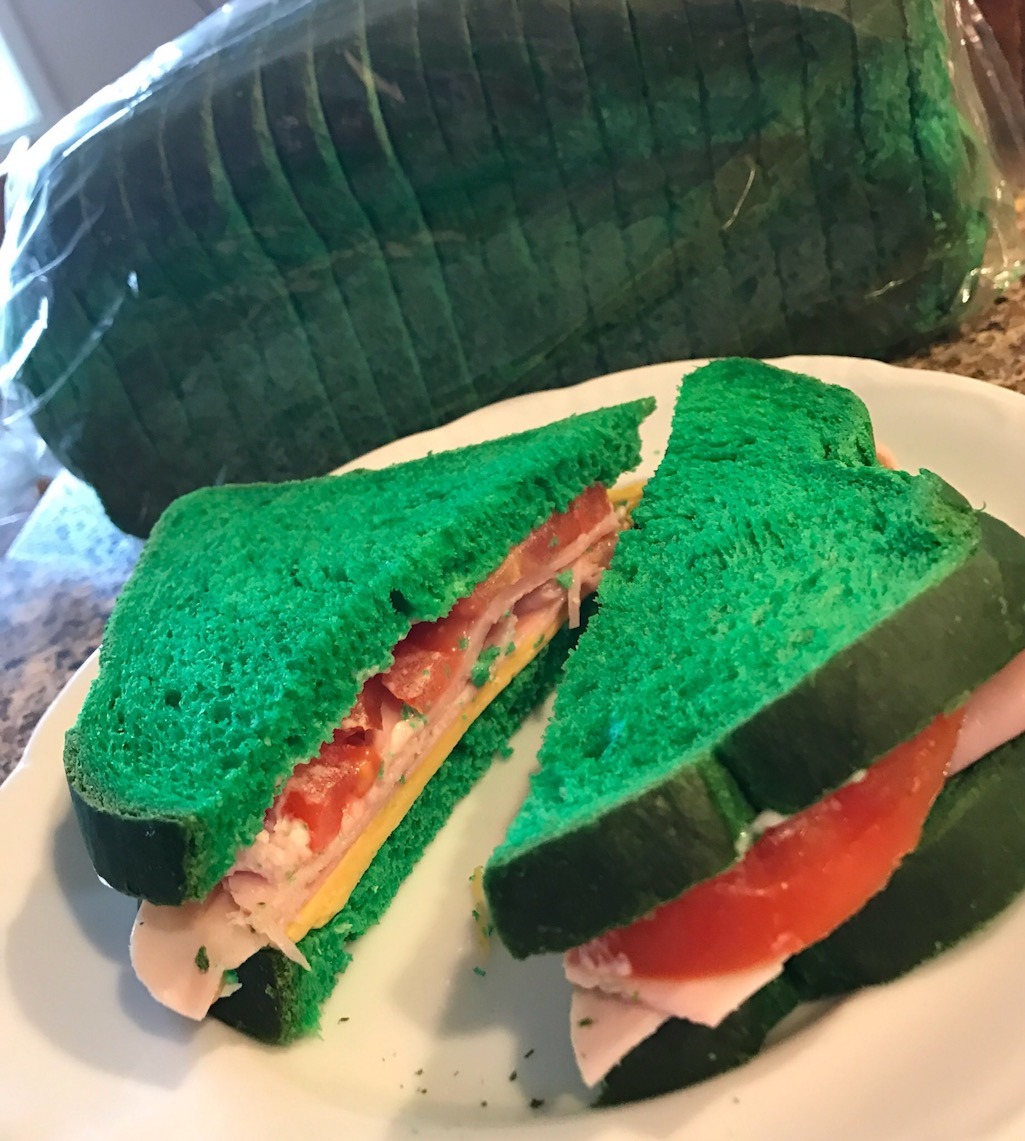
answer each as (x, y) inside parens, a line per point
(481, 672)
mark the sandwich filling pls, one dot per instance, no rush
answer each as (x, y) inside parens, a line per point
(701, 956)
(335, 810)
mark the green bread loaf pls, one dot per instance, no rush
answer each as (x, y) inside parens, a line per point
(256, 613)
(743, 657)
(259, 264)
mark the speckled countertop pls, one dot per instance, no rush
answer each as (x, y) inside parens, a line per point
(59, 579)
(58, 582)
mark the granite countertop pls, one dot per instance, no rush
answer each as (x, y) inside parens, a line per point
(59, 579)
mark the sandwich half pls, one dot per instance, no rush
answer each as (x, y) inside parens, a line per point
(300, 681)
(795, 650)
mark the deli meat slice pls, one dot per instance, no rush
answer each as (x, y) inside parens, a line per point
(994, 714)
(606, 1028)
(607, 1023)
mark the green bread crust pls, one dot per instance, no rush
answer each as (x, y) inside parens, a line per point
(255, 615)
(279, 1000)
(682, 1053)
(776, 580)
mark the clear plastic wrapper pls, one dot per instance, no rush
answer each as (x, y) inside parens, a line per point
(308, 227)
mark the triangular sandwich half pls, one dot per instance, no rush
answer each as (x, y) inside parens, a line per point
(785, 652)
(285, 673)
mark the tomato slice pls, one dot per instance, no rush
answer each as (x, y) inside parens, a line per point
(585, 513)
(428, 658)
(319, 791)
(801, 879)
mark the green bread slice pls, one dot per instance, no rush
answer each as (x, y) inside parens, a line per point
(256, 613)
(778, 589)
(279, 1000)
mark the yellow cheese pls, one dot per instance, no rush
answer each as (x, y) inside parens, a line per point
(627, 496)
(339, 885)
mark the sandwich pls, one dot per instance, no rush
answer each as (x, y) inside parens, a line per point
(299, 682)
(787, 758)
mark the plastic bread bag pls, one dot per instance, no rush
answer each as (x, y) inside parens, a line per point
(308, 227)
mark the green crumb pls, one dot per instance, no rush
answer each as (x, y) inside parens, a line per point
(553, 541)
(380, 771)
(539, 641)
(202, 960)
(344, 1018)
(564, 579)
(414, 715)
(481, 672)
(229, 978)
(505, 751)
(402, 778)
(476, 914)
(464, 643)
(479, 971)
(536, 1102)
(586, 1022)
(509, 649)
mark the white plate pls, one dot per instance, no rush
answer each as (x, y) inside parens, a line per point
(85, 1053)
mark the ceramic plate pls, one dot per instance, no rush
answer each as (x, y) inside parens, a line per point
(424, 1035)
